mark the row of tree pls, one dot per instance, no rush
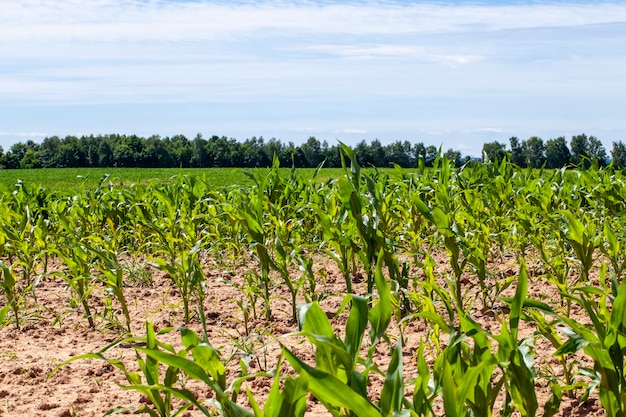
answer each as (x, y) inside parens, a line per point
(583, 150)
(177, 151)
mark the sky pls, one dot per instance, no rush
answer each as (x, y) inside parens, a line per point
(454, 74)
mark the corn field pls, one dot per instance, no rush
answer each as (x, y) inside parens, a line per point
(479, 291)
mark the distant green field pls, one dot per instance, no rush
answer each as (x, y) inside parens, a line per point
(66, 179)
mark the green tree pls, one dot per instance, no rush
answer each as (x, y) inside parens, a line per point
(71, 153)
(18, 150)
(494, 152)
(128, 151)
(534, 151)
(333, 157)
(30, 160)
(400, 153)
(580, 149)
(597, 152)
(105, 152)
(430, 155)
(419, 152)
(254, 154)
(618, 154)
(361, 151)
(199, 153)
(517, 156)
(377, 155)
(276, 147)
(156, 154)
(454, 156)
(49, 152)
(312, 150)
(181, 150)
(557, 153)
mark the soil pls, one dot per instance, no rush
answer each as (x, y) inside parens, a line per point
(32, 382)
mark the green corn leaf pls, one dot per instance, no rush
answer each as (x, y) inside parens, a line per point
(3, 312)
(618, 316)
(292, 400)
(380, 315)
(254, 404)
(356, 325)
(274, 402)
(330, 390)
(313, 320)
(518, 301)
(441, 220)
(187, 396)
(192, 369)
(422, 393)
(392, 395)
(575, 229)
(575, 343)
(330, 354)
(553, 405)
(449, 391)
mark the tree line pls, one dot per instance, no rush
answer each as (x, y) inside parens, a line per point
(178, 151)
(583, 150)
(117, 150)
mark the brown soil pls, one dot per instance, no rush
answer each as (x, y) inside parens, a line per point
(54, 332)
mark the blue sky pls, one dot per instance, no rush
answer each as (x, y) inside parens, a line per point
(449, 73)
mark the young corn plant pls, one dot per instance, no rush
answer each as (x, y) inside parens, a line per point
(340, 236)
(112, 276)
(159, 388)
(186, 272)
(515, 357)
(465, 373)
(284, 259)
(178, 241)
(8, 285)
(582, 237)
(374, 218)
(251, 218)
(604, 342)
(79, 277)
(336, 380)
(162, 369)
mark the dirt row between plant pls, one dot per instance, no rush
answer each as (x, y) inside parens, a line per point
(54, 332)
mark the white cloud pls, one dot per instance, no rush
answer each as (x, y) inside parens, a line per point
(488, 130)
(23, 134)
(437, 69)
(115, 20)
(353, 131)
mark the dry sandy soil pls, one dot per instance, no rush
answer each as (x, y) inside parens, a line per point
(54, 332)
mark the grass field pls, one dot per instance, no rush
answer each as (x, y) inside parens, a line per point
(64, 179)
